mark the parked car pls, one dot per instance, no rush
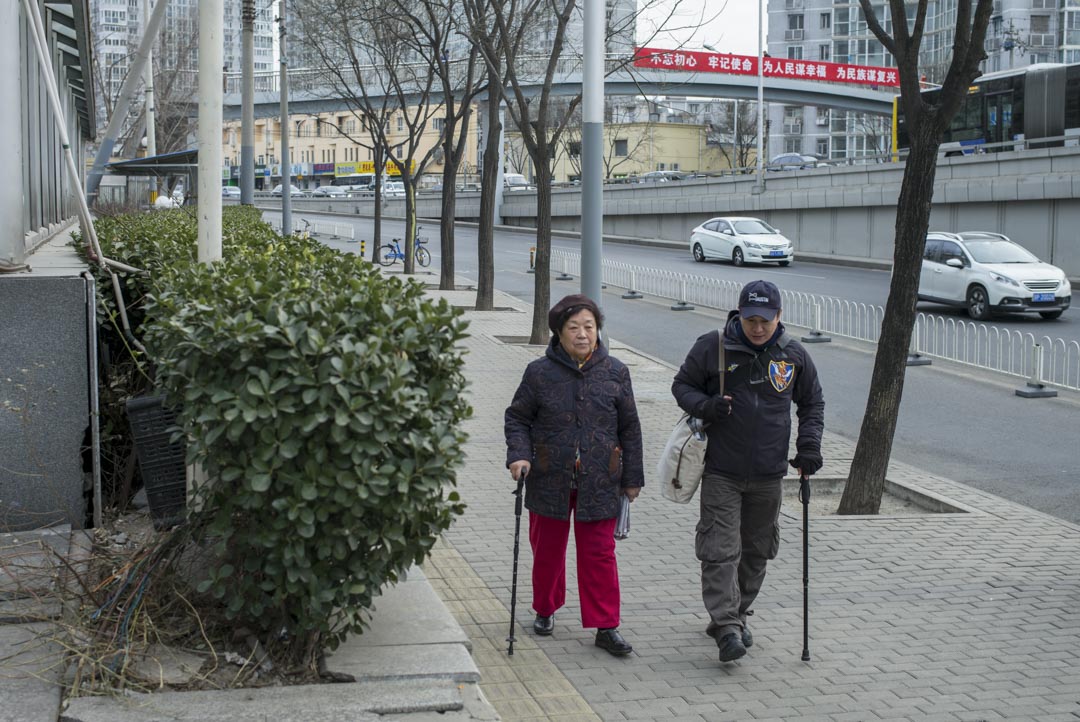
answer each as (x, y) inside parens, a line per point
(740, 240)
(986, 273)
(393, 189)
(230, 191)
(516, 182)
(661, 176)
(792, 161)
(293, 190)
(329, 192)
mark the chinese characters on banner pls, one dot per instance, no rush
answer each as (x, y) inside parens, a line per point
(705, 62)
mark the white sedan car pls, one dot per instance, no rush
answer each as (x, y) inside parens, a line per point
(740, 240)
(987, 273)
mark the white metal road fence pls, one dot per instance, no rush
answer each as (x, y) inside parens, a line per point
(1040, 360)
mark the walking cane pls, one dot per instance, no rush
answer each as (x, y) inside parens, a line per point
(517, 540)
(804, 497)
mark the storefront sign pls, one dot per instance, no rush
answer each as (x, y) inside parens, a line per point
(368, 167)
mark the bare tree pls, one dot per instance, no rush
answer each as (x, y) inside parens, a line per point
(926, 124)
(735, 136)
(431, 24)
(517, 155)
(372, 58)
(478, 26)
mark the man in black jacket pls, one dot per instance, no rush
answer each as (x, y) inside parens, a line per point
(749, 431)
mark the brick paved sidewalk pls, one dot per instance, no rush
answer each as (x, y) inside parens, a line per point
(971, 615)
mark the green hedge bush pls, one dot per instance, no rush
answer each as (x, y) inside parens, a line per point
(323, 399)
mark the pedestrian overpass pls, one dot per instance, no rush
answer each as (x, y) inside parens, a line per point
(313, 90)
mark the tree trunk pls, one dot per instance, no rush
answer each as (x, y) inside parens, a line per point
(485, 233)
(377, 240)
(448, 206)
(409, 242)
(866, 479)
(542, 282)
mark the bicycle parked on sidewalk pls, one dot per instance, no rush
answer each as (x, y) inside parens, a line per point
(391, 252)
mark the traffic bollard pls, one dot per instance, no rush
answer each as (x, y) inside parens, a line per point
(914, 358)
(816, 336)
(632, 293)
(1035, 387)
(682, 305)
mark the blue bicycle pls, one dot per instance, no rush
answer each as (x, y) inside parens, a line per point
(391, 252)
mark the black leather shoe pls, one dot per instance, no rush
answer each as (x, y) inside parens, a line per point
(544, 626)
(731, 647)
(611, 641)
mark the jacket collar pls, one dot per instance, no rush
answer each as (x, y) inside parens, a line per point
(733, 340)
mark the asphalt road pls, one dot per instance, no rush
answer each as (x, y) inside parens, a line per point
(963, 424)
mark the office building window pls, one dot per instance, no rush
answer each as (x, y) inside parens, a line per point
(401, 122)
(826, 21)
(823, 52)
(792, 145)
(621, 149)
(823, 147)
(795, 22)
(794, 52)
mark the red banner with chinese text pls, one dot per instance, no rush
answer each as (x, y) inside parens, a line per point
(700, 61)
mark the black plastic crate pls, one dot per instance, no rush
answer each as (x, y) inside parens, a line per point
(161, 459)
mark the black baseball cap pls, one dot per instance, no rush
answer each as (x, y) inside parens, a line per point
(759, 298)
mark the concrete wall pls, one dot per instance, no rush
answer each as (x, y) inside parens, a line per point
(44, 399)
(1032, 196)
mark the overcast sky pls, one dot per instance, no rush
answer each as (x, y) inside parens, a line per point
(729, 27)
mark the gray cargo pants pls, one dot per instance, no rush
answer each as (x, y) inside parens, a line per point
(737, 534)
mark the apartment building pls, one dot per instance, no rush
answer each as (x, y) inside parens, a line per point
(117, 29)
(1021, 32)
(332, 145)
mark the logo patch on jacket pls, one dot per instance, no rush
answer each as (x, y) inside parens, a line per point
(781, 374)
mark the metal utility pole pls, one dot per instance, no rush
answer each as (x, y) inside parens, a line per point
(286, 167)
(592, 151)
(211, 153)
(760, 104)
(148, 102)
(123, 102)
(247, 104)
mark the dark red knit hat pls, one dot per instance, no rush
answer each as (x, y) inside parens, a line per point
(569, 306)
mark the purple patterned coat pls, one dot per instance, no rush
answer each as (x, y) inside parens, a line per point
(559, 409)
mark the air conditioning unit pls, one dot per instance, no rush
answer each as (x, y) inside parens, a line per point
(793, 34)
(823, 120)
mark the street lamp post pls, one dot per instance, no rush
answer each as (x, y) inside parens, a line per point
(760, 103)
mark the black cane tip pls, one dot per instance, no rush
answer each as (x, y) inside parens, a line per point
(805, 656)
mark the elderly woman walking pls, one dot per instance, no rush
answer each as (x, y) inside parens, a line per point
(573, 428)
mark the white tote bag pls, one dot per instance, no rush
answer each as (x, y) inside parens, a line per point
(683, 461)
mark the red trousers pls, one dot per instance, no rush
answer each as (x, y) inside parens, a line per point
(597, 571)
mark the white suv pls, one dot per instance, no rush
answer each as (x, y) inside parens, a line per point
(987, 273)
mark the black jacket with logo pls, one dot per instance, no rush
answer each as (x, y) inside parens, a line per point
(753, 441)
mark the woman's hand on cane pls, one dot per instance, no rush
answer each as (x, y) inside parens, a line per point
(517, 467)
